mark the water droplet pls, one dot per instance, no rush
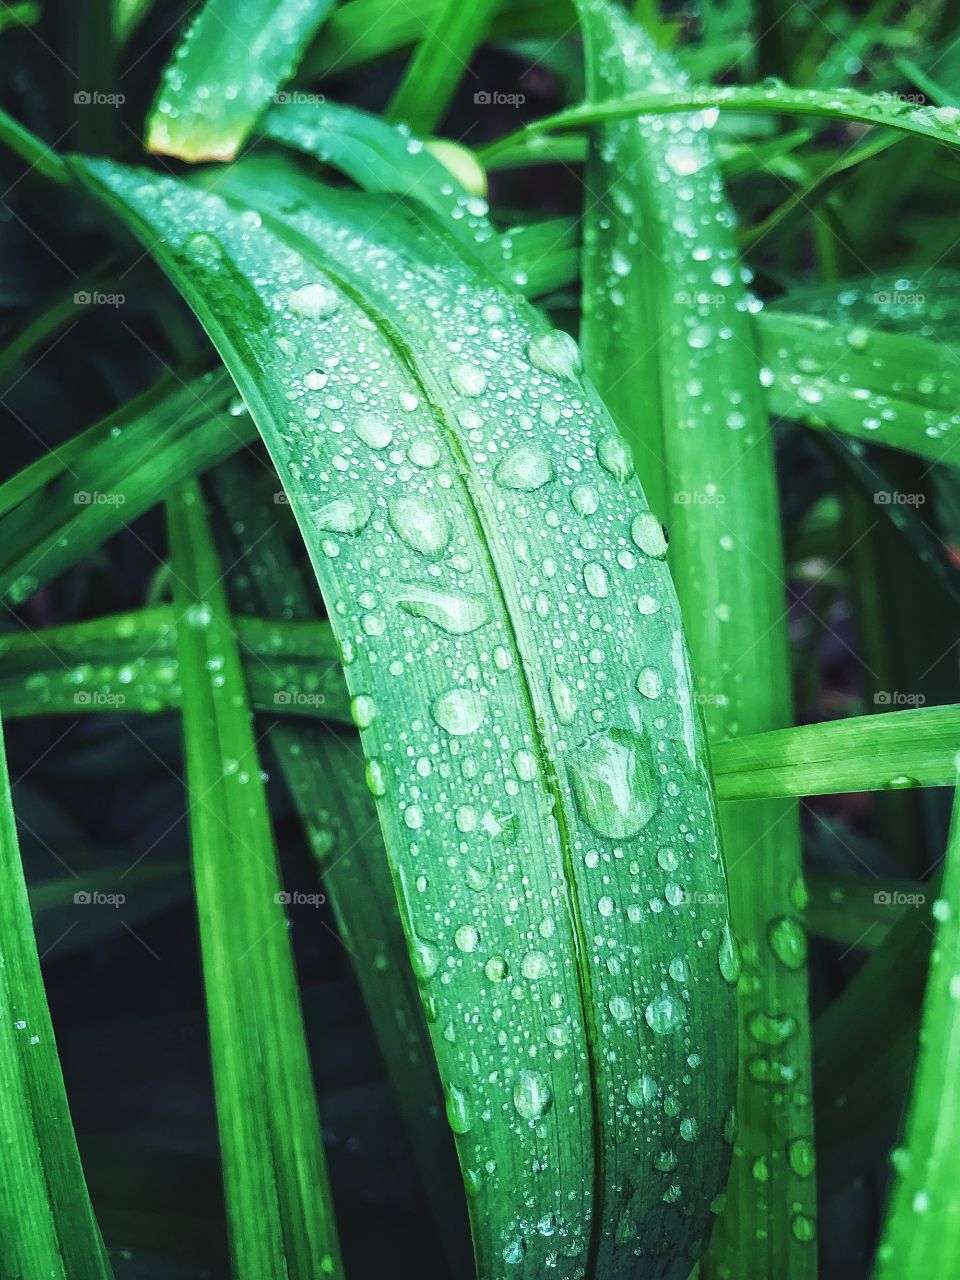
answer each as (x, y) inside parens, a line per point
(535, 965)
(555, 352)
(647, 532)
(728, 956)
(420, 524)
(532, 1095)
(665, 1015)
(459, 1115)
(596, 580)
(648, 682)
(451, 611)
(614, 456)
(614, 783)
(373, 431)
(788, 941)
(585, 499)
(346, 514)
(459, 711)
(526, 467)
(801, 1156)
(468, 379)
(467, 938)
(313, 301)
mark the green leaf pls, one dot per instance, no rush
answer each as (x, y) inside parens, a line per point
(922, 1227)
(892, 389)
(47, 1227)
(667, 337)
(891, 750)
(111, 474)
(226, 70)
(377, 156)
(939, 124)
(423, 95)
(128, 663)
(364, 30)
(450, 535)
(279, 1210)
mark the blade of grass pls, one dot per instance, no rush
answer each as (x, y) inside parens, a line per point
(279, 1211)
(126, 465)
(378, 156)
(342, 312)
(661, 267)
(225, 72)
(425, 92)
(912, 748)
(939, 124)
(922, 1226)
(128, 663)
(47, 1227)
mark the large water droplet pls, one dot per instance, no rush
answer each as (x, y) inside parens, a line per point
(614, 782)
(313, 301)
(459, 711)
(665, 1015)
(468, 379)
(532, 1095)
(788, 941)
(647, 532)
(452, 611)
(555, 352)
(728, 955)
(525, 467)
(346, 514)
(420, 524)
(614, 456)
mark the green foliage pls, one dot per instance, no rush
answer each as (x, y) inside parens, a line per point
(599, 682)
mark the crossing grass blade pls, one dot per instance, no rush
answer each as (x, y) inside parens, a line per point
(888, 751)
(922, 1227)
(47, 1227)
(279, 1210)
(666, 335)
(226, 70)
(440, 60)
(892, 389)
(939, 124)
(456, 532)
(127, 663)
(57, 514)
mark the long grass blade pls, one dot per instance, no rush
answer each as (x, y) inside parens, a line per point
(922, 1228)
(279, 1210)
(890, 750)
(659, 239)
(459, 546)
(47, 1227)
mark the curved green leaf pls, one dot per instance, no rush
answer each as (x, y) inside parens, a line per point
(515, 657)
(226, 70)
